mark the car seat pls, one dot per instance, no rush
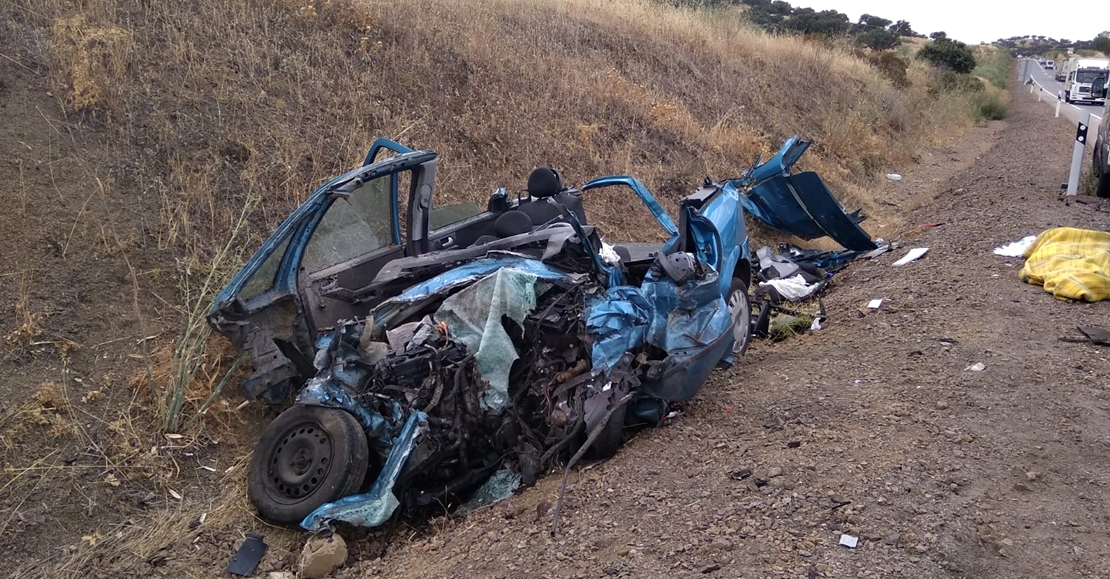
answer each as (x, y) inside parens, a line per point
(544, 186)
(510, 223)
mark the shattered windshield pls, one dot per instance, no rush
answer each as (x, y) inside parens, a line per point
(354, 225)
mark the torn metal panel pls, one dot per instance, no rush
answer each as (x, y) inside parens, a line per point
(378, 504)
(800, 204)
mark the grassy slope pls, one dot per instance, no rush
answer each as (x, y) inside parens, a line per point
(214, 106)
(222, 100)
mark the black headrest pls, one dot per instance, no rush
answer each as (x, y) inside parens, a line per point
(512, 223)
(544, 182)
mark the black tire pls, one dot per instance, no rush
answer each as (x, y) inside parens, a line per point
(1103, 189)
(740, 305)
(308, 456)
(611, 437)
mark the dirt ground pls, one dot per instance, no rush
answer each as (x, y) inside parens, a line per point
(872, 427)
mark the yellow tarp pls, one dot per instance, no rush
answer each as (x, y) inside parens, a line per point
(1070, 263)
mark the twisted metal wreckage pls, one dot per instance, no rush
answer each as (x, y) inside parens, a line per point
(471, 354)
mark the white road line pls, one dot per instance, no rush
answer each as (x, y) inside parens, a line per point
(1093, 116)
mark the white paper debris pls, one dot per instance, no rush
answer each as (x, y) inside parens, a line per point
(894, 176)
(816, 325)
(1017, 248)
(849, 541)
(874, 304)
(976, 367)
(914, 253)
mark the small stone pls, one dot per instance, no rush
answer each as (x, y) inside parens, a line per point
(322, 555)
(892, 539)
(794, 444)
(1022, 487)
(281, 575)
(1032, 475)
(721, 544)
(773, 472)
(711, 568)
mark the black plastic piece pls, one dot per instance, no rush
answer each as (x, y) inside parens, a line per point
(248, 556)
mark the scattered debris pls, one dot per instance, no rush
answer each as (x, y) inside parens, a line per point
(913, 255)
(849, 541)
(1097, 336)
(976, 367)
(1017, 248)
(894, 176)
(247, 557)
(740, 474)
(875, 304)
(322, 555)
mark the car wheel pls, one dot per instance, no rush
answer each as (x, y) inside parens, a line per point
(307, 457)
(740, 306)
(1103, 189)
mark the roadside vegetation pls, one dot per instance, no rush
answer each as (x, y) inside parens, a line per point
(230, 113)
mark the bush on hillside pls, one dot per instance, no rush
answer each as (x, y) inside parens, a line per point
(947, 53)
(891, 66)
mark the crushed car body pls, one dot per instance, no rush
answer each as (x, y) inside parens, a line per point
(478, 348)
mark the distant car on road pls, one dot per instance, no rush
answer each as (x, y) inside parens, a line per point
(1049, 65)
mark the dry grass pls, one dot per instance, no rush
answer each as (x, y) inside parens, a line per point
(220, 99)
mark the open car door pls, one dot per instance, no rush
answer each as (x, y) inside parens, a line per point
(341, 236)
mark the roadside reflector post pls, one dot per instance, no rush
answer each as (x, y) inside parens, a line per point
(1077, 153)
(1039, 95)
(1057, 107)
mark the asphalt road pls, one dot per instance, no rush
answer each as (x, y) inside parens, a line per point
(1051, 91)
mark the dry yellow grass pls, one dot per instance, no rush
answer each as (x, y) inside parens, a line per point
(222, 100)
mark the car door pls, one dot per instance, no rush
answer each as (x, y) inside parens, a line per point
(297, 283)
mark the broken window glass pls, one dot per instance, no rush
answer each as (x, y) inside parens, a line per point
(353, 226)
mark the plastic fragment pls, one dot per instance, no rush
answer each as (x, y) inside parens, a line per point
(849, 541)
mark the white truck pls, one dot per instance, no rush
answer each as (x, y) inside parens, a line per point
(1086, 80)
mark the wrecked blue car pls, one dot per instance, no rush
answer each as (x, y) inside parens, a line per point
(444, 351)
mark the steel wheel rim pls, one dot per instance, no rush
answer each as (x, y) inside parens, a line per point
(300, 462)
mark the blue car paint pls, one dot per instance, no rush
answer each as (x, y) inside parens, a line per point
(377, 505)
(799, 204)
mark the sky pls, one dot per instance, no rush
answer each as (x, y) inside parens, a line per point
(975, 21)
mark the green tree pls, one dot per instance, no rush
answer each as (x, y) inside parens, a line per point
(902, 28)
(950, 54)
(878, 39)
(1102, 42)
(938, 35)
(869, 21)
